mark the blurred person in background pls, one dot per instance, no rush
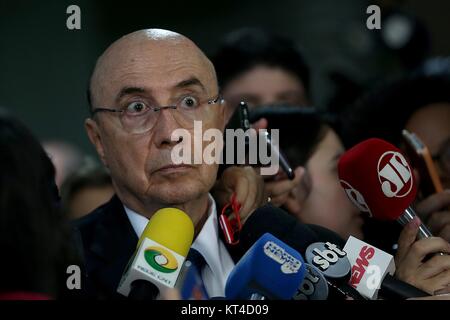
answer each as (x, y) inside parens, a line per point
(65, 157)
(311, 142)
(262, 69)
(86, 189)
(34, 238)
(419, 103)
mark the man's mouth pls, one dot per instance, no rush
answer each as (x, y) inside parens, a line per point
(173, 168)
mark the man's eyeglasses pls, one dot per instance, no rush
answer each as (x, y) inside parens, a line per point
(139, 117)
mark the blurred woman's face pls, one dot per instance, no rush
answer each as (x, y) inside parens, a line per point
(326, 204)
(432, 124)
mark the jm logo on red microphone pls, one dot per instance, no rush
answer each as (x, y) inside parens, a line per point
(394, 175)
(355, 197)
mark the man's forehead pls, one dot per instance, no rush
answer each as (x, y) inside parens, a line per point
(157, 55)
(163, 60)
(153, 37)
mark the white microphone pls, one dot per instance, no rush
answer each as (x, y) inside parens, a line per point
(373, 270)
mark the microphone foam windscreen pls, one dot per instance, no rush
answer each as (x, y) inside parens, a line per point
(171, 228)
(378, 179)
(270, 268)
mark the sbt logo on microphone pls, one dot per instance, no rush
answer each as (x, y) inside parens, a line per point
(394, 175)
(355, 197)
(288, 263)
(323, 259)
(329, 259)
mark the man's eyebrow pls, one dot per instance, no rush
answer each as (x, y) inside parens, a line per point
(193, 81)
(129, 90)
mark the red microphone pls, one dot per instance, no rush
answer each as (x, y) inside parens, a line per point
(378, 179)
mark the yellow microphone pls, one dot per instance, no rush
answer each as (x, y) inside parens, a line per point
(160, 254)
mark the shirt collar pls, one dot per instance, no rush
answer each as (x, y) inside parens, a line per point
(203, 243)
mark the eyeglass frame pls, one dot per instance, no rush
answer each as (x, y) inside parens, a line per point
(218, 99)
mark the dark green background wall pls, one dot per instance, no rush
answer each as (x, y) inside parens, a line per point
(44, 67)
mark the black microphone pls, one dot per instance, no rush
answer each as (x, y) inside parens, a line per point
(142, 290)
(395, 289)
(299, 236)
(285, 227)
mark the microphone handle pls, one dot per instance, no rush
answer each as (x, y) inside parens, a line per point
(424, 232)
(142, 290)
(408, 216)
(394, 289)
(283, 161)
(343, 291)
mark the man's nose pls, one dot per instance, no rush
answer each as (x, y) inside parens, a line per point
(164, 127)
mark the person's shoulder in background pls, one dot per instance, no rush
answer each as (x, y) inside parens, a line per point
(83, 236)
(105, 239)
(86, 224)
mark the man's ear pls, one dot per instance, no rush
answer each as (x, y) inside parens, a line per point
(93, 132)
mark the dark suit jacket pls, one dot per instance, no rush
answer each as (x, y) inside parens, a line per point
(106, 241)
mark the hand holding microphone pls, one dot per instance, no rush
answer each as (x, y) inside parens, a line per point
(245, 184)
(372, 273)
(378, 180)
(241, 190)
(280, 187)
(435, 211)
(431, 275)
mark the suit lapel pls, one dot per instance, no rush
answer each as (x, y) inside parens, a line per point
(113, 245)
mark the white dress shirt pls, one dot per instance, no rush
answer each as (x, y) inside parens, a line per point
(218, 261)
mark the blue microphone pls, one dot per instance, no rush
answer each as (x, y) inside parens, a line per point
(269, 269)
